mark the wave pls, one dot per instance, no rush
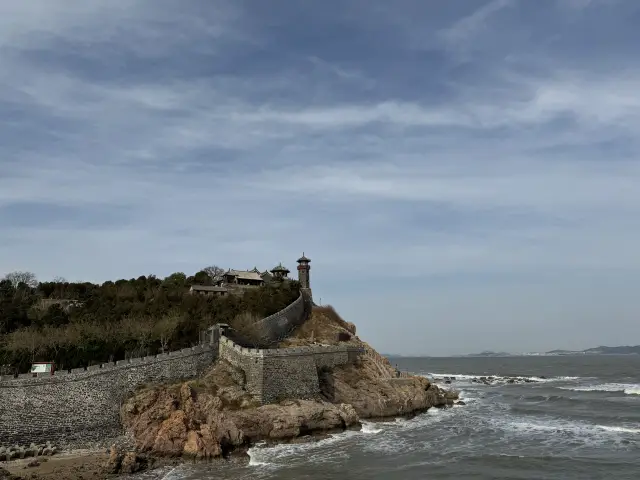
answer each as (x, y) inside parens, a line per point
(369, 427)
(271, 456)
(626, 388)
(495, 378)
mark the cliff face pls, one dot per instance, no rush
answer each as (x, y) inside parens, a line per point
(214, 415)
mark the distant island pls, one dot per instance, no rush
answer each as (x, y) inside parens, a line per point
(601, 350)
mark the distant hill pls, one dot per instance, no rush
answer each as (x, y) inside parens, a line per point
(626, 350)
(490, 354)
(602, 350)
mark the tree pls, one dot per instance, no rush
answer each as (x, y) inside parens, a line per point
(215, 272)
(16, 278)
(165, 328)
(202, 278)
(177, 279)
(28, 340)
(59, 279)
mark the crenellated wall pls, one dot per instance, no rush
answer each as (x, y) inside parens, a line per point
(279, 325)
(83, 407)
(275, 374)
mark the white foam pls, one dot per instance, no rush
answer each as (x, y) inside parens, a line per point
(274, 455)
(497, 379)
(368, 427)
(626, 388)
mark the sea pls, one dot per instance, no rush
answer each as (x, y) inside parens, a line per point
(578, 417)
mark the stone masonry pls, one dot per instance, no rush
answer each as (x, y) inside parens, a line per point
(276, 374)
(81, 408)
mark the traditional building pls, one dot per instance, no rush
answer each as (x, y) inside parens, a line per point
(279, 272)
(234, 281)
(303, 272)
(243, 277)
(209, 290)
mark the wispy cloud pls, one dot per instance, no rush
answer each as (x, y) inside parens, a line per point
(467, 150)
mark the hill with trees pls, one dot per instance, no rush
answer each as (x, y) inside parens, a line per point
(78, 324)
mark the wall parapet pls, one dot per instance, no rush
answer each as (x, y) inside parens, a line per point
(83, 373)
(274, 374)
(278, 326)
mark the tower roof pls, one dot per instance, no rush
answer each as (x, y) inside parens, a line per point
(280, 268)
(303, 259)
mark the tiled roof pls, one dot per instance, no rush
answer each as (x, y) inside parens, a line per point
(244, 275)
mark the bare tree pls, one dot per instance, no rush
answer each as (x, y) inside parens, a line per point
(59, 279)
(26, 339)
(164, 328)
(16, 278)
(248, 326)
(215, 272)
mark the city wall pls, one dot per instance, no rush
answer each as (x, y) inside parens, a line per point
(81, 408)
(275, 374)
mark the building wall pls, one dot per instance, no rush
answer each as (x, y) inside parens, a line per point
(83, 407)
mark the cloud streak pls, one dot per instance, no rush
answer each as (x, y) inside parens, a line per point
(468, 153)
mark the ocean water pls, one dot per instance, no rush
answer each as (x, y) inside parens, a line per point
(580, 422)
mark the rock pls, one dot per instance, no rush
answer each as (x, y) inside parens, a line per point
(5, 475)
(114, 462)
(33, 463)
(460, 402)
(132, 463)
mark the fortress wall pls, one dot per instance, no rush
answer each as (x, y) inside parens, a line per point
(83, 408)
(249, 360)
(277, 374)
(279, 325)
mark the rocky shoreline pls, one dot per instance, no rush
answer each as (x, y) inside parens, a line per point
(214, 418)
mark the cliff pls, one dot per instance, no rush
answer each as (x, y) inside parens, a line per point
(215, 415)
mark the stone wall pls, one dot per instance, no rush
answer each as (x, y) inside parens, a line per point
(276, 374)
(249, 360)
(82, 407)
(279, 325)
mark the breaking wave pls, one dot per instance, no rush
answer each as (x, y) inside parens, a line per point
(626, 388)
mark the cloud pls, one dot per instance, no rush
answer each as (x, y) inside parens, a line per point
(460, 155)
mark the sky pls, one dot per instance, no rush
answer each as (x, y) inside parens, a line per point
(464, 176)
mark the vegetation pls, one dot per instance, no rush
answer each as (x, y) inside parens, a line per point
(80, 324)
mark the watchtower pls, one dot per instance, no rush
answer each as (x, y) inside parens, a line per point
(303, 272)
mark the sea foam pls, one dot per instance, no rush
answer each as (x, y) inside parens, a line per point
(626, 388)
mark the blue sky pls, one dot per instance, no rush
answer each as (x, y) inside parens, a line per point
(464, 175)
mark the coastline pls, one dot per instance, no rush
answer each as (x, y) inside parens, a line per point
(82, 463)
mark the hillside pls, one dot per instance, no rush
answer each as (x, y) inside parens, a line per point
(81, 324)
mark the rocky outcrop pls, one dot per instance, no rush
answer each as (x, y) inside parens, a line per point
(372, 387)
(213, 417)
(125, 463)
(5, 475)
(23, 451)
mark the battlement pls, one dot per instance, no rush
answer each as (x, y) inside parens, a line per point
(81, 407)
(83, 373)
(273, 374)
